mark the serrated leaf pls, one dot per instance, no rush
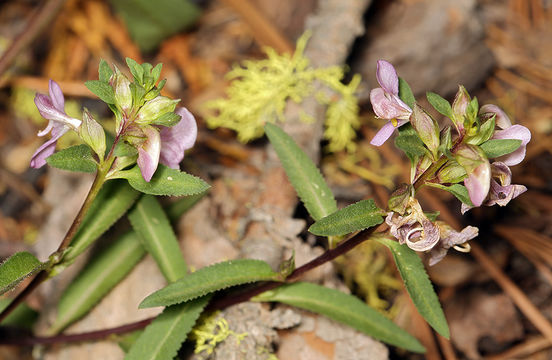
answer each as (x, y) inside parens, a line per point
(497, 147)
(22, 316)
(343, 308)
(209, 279)
(358, 216)
(302, 173)
(409, 142)
(104, 71)
(405, 93)
(74, 158)
(102, 90)
(165, 181)
(156, 234)
(440, 104)
(105, 270)
(458, 190)
(16, 268)
(163, 337)
(418, 285)
(113, 200)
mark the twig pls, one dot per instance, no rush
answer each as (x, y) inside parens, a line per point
(523, 350)
(34, 28)
(219, 304)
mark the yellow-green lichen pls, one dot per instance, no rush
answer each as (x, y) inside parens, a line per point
(210, 331)
(259, 91)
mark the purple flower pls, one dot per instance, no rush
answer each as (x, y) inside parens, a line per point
(501, 188)
(414, 229)
(52, 108)
(386, 102)
(450, 238)
(477, 166)
(166, 144)
(508, 131)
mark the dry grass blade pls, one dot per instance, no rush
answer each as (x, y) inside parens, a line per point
(523, 350)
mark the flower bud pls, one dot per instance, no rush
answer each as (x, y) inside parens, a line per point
(427, 128)
(92, 134)
(154, 109)
(121, 87)
(459, 107)
(451, 173)
(477, 166)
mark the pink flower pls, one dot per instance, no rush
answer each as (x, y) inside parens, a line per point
(52, 108)
(386, 102)
(477, 166)
(450, 238)
(166, 144)
(508, 131)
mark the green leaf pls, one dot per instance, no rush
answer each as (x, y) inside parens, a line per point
(156, 72)
(136, 70)
(497, 147)
(101, 274)
(74, 158)
(176, 209)
(22, 316)
(165, 181)
(457, 190)
(358, 216)
(209, 279)
(440, 104)
(302, 173)
(150, 22)
(102, 90)
(16, 268)
(104, 71)
(167, 119)
(164, 336)
(343, 308)
(418, 285)
(152, 225)
(486, 131)
(409, 142)
(111, 203)
(405, 93)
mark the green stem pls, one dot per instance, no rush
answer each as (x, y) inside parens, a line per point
(44, 274)
(430, 172)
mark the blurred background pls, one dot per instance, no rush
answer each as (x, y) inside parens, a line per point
(497, 299)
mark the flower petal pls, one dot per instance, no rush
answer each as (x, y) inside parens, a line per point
(178, 138)
(48, 111)
(387, 77)
(502, 120)
(388, 106)
(428, 239)
(383, 134)
(518, 132)
(38, 159)
(478, 183)
(450, 238)
(56, 95)
(148, 153)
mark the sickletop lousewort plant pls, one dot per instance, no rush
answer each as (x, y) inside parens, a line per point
(142, 159)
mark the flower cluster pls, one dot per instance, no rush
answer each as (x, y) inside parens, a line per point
(149, 127)
(476, 150)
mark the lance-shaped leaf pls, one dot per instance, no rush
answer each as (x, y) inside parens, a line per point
(418, 285)
(358, 216)
(22, 316)
(440, 104)
(165, 181)
(152, 226)
(176, 209)
(163, 337)
(74, 158)
(16, 268)
(102, 90)
(110, 204)
(302, 173)
(343, 308)
(458, 190)
(497, 147)
(209, 279)
(409, 142)
(405, 93)
(100, 275)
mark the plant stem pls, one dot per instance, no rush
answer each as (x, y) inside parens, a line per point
(43, 274)
(429, 172)
(219, 304)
